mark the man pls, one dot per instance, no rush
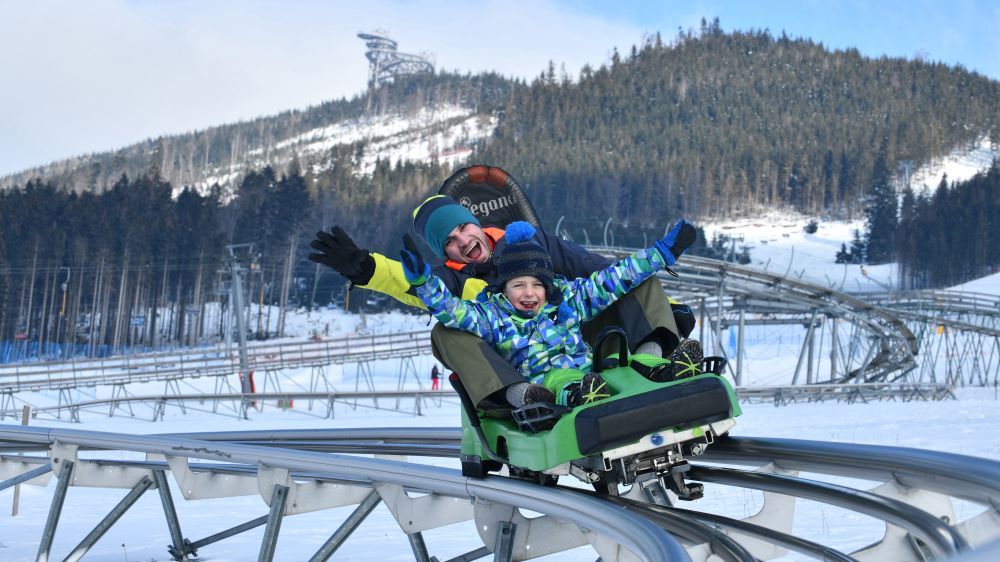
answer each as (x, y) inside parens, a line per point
(454, 233)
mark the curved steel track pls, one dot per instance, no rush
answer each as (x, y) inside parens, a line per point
(306, 470)
(887, 338)
(916, 337)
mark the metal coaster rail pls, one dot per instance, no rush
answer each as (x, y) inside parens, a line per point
(296, 463)
(886, 335)
(215, 362)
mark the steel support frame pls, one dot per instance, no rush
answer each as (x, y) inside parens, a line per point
(55, 510)
(178, 547)
(346, 528)
(274, 518)
(110, 519)
(24, 477)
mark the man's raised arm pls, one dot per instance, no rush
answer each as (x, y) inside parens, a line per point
(361, 267)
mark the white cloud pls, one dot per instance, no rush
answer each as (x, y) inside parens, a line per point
(96, 75)
(92, 76)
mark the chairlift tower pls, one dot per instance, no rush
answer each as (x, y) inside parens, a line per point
(386, 63)
(238, 254)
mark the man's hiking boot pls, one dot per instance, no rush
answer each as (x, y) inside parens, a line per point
(685, 361)
(591, 389)
(687, 358)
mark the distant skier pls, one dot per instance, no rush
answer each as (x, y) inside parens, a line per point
(435, 378)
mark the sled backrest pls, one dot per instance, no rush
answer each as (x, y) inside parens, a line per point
(493, 196)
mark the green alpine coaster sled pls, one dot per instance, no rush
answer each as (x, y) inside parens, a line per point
(644, 430)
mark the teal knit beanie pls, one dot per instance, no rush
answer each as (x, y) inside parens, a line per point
(436, 217)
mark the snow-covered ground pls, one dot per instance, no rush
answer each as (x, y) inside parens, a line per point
(965, 426)
(959, 165)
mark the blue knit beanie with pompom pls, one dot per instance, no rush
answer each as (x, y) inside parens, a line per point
(522, 255)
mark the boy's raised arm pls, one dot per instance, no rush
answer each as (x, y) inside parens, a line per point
(449, 310)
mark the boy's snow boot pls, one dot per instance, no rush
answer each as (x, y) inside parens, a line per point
(686, 359)
(574, 396)
(538, 393)
(519, 393)
(539, 412)
(593, 388)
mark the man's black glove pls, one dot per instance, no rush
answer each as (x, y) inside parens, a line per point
(341, 254)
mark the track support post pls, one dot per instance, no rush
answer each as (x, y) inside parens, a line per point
(270, 541)
(55, 510)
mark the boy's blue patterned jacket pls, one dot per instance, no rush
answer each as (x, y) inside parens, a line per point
(552, 338)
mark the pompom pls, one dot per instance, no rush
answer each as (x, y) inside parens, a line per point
(519, 231)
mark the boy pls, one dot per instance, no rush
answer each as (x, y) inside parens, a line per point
(533, 318)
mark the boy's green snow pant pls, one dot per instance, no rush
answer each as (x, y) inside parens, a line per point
(644, 313)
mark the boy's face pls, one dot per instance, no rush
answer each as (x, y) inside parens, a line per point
(526, 293)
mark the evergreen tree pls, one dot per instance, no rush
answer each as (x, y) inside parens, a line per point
(881, 219)
(843, 256)
(859, 249)
(906, 239)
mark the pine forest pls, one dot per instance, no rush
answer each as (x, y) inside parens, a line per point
(118, 250)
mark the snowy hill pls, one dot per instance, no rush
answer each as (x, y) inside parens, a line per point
(960, 165)
(779, 244)
(445, 135)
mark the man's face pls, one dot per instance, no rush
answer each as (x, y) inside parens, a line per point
(526, 293)
(467, 244)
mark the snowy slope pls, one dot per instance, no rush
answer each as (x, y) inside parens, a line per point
(778, 242)
(960, 165)
(445, 134)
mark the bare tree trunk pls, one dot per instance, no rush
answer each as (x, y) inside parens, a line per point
(31, 293)
(95, 310)
(116, 339)
(190, 336)
(234, 155)
(312, 297)
(286, 284)
(136, 335)
(267, 321)
(44, 319)
(161, 305)
(105, 300)
(74, 317)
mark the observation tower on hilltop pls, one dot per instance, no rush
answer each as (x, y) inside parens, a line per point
(386, 63)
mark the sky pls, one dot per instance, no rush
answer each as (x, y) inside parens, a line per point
(81, 77)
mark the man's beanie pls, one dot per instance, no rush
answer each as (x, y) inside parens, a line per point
(436, 217)
(522, 255)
